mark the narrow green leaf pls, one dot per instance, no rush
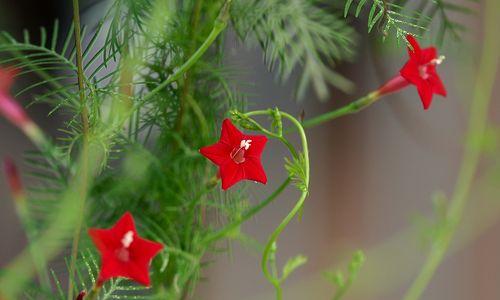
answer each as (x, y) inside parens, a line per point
(292, 264)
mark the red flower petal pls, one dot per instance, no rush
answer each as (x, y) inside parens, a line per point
(7, 78)
(230, 135)
(111, 268)
(410, 72)
(12, 111)
(257, 147)
(437, 84)
(415, 47)
(254, 170)
(9, 108)
(103, 239)
(124, 254)
(13, 178)
(427, 55)
(147, 249)
(217, 153)
(425, 92)
(230, 174)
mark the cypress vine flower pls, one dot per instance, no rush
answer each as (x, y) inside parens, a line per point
(13, 179)
(420, 70)
(81, 295)
(9, 108)
(123, 252)
(237, 155)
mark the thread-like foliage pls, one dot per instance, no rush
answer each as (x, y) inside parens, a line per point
(298, 35)
(402, 17)
(84, 279)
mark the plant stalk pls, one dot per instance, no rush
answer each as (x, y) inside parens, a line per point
(219, 26)
(298, 206)
(195, 18)
(85, 155)
(488, 68)
(252, 212)
(351, 108)
(266, 256)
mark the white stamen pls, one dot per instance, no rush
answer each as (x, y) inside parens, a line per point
(127, 239)
(245, 144)
(439, 60)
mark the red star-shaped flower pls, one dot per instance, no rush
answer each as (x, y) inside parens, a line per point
(420, 70)
(237, 155)
(123, 252)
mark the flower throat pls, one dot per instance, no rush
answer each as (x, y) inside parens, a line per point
(238, 153)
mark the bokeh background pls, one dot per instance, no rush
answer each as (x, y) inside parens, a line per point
(374, 175)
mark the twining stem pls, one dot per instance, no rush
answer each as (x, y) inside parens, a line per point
(85, 155)
(250, 213)
(281, 138)
(477, 124)
(267, 254)
(274, 236)
(219, 25)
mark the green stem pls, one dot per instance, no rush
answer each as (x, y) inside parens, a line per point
(284, 223)
(284, 140)
(351, 108)
(195, 18)
(252, 212)
(219, 26)
(79, 64)
(477, 125)
(85, 131)
(93, 293)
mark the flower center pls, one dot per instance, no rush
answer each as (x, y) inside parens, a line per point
(238, 153)
(123, 253)
(435, 62)
(422, 70)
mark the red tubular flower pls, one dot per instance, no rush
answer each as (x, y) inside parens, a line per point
(237, 155)
(123, 252)
(81, 295)
(9, 108)
(14, 180)
(420, 70)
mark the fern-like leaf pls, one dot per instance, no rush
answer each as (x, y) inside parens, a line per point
(297, 34)
(402, 17)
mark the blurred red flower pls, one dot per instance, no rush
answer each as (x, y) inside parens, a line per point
(13, 178)
(123, 252)
(9, 108)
